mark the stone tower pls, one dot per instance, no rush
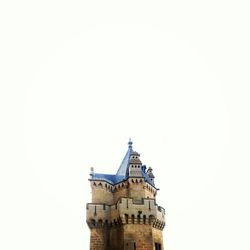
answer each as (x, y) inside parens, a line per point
(123, 214)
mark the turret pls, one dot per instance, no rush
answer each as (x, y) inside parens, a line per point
(135, 165)
(150, 174)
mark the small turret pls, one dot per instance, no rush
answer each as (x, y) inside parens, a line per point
(91, 172)
(135, 165)
(144, 168)
(150, 174)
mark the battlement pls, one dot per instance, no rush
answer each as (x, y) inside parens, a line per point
(126, 211)
(141, 211)
(103, 192)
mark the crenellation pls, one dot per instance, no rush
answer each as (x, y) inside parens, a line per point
(128, 210)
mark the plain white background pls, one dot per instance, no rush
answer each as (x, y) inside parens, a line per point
(78, 78)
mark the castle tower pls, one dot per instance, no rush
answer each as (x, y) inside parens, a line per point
(123, 214)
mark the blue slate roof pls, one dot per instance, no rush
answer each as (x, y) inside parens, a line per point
(122, 173)
(104, 177)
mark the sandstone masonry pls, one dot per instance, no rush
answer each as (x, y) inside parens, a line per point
(123, 214)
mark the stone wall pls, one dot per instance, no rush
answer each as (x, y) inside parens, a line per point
(138, 237)
(125, 216)
(120, 191)
(98, 239)
(102, 193)
(157, 236)
(116, 238)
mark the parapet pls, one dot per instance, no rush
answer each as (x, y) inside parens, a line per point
(126, 211)
(141, 211)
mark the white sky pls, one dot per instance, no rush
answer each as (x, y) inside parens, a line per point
(78, 78)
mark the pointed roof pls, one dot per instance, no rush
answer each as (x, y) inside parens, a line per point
(123, 171)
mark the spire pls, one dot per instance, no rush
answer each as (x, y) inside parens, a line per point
(131, 165)
(130, 143)
(123, 169)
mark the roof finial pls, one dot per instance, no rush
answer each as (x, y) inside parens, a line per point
(130, 143)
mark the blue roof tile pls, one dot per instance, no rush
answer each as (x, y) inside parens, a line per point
(122, 173)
